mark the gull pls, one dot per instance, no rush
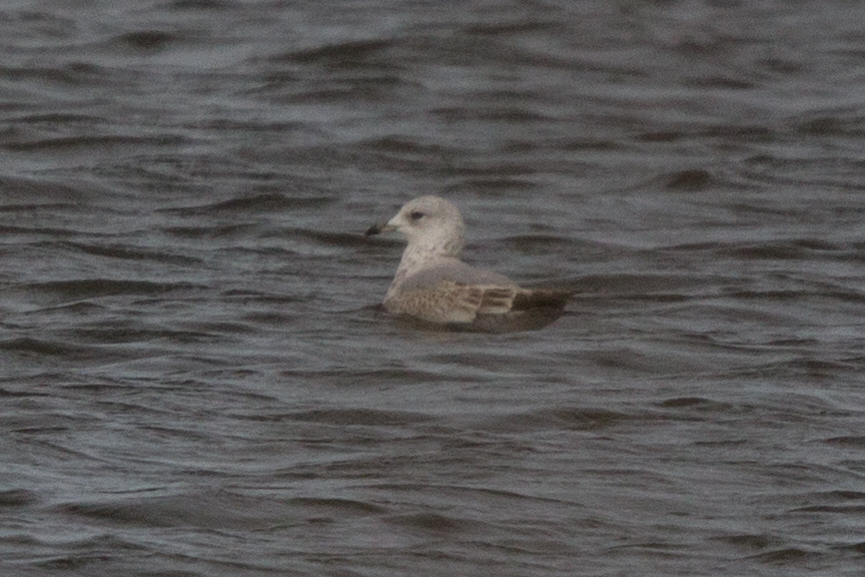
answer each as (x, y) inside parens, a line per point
(433, 285)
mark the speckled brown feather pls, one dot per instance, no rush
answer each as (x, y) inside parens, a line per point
(452, 302)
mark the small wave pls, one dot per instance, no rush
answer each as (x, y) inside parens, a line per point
(133, 253)
(787, 556)
(43, 347)
(433, 523)
(147, 40)
(342, 54)
(563, 418)
(700, 404)
(262, 203)
(21, 194)
(17, 498)
(89, 143)
(212, 509)
(361, 417)
(93, 288)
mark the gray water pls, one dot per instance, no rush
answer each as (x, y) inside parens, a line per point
(196, 378)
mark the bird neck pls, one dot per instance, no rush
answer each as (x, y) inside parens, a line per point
(415, 257)
(417, 252)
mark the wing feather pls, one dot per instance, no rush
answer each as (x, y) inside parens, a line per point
(453, 302)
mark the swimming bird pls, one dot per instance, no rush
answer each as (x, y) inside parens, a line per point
(432, 283)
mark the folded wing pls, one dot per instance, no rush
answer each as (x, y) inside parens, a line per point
(455, 302)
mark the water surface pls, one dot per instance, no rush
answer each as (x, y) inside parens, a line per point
(196, 379)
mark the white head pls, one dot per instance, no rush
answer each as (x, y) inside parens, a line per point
(430, 224)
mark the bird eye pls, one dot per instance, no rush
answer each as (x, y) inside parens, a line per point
(416, 215)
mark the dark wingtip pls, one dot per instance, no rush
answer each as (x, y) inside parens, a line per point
(555, 299)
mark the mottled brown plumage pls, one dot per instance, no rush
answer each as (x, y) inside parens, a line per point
(432, 284)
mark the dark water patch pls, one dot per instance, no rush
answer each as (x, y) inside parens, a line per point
(124, 252)
(740, 132)
(558, 419)
(117, 332)
(111, 333)
(17, 498)
(109, 143)
(858, 548)
(361, 417)
(251, 295)
(212, 232)
(56, 119)
(591, 144)
(166, 435)
(463, 48)
(341, 55)
(721, 82)
(48, 348)
(217, 5)
(629, 284)
(662, 136)
(16, 394)
(725, 132)
(843, 509)
(768, 295)
(39, 22)
(73, 562)
(30, 208)
(777, 298)
(789, 556)
(515, 114)
(393, 144)
(205, 509)
(147, 41)
(847, 123)
(850, 441)
(432, 524)
(844, 495)
(262, 203)
(38, 231)
(491, 187)
(694, 180)
(697, 404)
(76, 290)
(817, 368)
(404, 155)
(213, 331)
(793, 249)
(26, 193)
(383, 376)
(74, 309)
(470, 362)
(258, 125)
(496, 29)
(342, 90)
(38, 418)
(73, 75)
(638, 360)
(583, 419)
(348, 240)
(493, 113)
(781, 65)
(496, 170)
(541, 243)
(654, 549)
(335, 509)
(777, 249)
(749, 541)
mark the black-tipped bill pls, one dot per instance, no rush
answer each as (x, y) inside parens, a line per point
(378, 229)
